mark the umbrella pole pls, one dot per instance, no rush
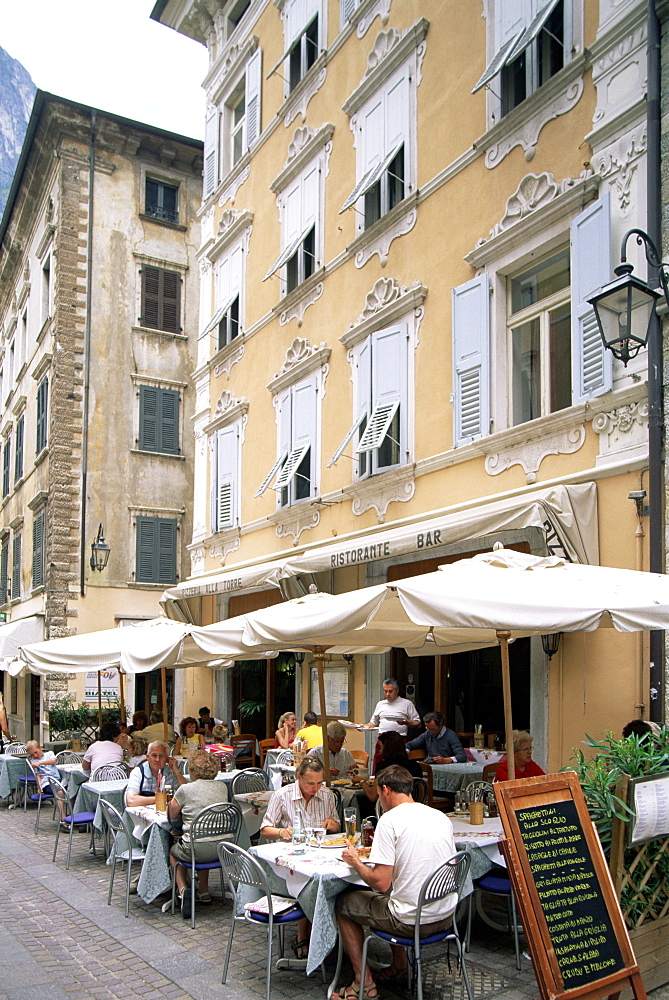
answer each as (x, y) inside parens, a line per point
(99, 699)
(163, 684)
(121, 698)
(319, 656)
(503, 638)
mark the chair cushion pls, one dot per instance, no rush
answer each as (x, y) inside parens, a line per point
(80, 819)
(408, 942)
(41, 795)
(494, 883)
(283, 918)
(29, 779)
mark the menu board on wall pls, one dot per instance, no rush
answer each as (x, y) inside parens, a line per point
(572, 919)
(649, 798)
(336, 692)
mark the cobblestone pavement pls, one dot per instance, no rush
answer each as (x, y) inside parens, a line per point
(60, 941)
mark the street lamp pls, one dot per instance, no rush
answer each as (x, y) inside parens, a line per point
(624, 308)
(99, 552)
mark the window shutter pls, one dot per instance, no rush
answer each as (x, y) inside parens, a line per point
(6, 466)
(373, 138)
(169, 421)
(296, 19)
(150, 296)
(347, 10)
(471, 391)
(18, 456)
(146, 546)
(38, 551)
(42, 407)
(226, 477)
(293, 215)
(253, 90)
(4, 569)
(210, 153)
(167, 551)
(148, 418)
(16, 567)
(389, 381)
(171, 284)
(592, 367)
(397, 112)
(285, 428)
(511, 17)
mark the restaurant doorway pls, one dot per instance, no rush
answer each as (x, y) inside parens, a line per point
(149, 694)
(261, 691)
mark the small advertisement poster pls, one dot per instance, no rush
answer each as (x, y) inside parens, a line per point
(650, 801)
(108, 686)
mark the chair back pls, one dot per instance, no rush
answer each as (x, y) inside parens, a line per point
(448, 879)
(249, 781)
(16, 749)
(246, 742)
(418, 754)
(110, 772)
(427, 777)
(264, 746)
(490, 770)
(477, 790)
(240, 868)
(285, 757)
(220, 820)
(420, 790)
(69, 757)
(60, 792)
(360, 756)
(113, 818)
(340, 806)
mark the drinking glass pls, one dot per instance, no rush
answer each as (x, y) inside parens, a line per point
(319, 833)
(350, 820)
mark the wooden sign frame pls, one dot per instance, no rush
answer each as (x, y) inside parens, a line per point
(564, 893)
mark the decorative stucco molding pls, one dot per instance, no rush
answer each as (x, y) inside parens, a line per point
(378, 492)
(618, 163)
(619, 69)
(298, 101)
(302, 358)
(530, 453)
(231, 225)
(296, 310)
(232, 353)
(197, 561)
(389, 51)
(368, 11)
(228, 409)
(235, 181)
(379, 237)
(298, 520)
(387, 302)
(229, 544)
(302, 148)
(623, 432)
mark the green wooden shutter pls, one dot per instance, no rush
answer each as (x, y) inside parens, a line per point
(38, 551)
(4, 569)
(171, 285)
(6, 465)
(42, 407)
(167, 551)
(150, 297)
(156, 550)
(148, 418)
(18, 455)
(169, 421)
(16, 567)
(146, 543)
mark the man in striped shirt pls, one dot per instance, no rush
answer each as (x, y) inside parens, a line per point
(317, 803)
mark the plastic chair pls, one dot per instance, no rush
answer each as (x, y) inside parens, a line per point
(242, 869)
(435, 802)
(70, 820)
(449, 878)
(110, 772)
(114, 822)
(264, 746)
(69, 757)
(496, 883)
(249, 781)
(360, 756)
(246, 741)
(214, 822)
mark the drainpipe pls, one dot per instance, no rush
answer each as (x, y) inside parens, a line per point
(87, 358)
(655, 407)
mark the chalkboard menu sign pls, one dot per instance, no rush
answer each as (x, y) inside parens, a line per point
(570, 913)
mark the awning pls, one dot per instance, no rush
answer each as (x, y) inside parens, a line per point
(567, 515)
(370, 178)
(17, 633)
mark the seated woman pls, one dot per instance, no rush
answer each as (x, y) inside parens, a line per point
(522, 758)
(107, 749)
(393, 752)
(189, 739)
(189, 799)
(140, 720)
(286, 731)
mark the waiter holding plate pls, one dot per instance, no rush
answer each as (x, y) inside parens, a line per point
(394, 714)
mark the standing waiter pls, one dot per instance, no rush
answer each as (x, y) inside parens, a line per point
(392, 714)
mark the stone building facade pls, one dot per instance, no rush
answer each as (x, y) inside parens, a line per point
(98, 314)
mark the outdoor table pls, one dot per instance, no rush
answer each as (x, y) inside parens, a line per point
(253, 806)
(454, 777)
(12, 767)
(481, 841)
(90, 793)
(270, 758)
(486, 756)
(73, 776)
(276, 773)
(228, 777)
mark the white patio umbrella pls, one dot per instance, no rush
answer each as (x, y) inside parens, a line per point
(489, 598)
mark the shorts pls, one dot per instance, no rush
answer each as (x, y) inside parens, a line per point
(371, 908)
(204, 851)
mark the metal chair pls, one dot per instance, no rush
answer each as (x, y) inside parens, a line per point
(448, 879)
(285, 757)
(16, 748)
(119, 855)
(339, 803)
(242, 869)
(26, 781)
(495, 883)
(220, 821)
(250, 781)
(43, 791)
(70, 820)
(110, 772)
(477, 789)
(69, 757)
(246, 742)
(264, 746)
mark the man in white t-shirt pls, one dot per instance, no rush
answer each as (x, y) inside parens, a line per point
(392, 714)
(410, 843)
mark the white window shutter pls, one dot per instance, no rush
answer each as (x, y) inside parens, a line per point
(305, 424)
(295, 12)
(471, 352)
(223, 282)
(210, 154)
(389, 379)
(292, 214)
(310, 196)
(253, 90)
(373, 134)
(236, 272)
(512, 17)
(397, 111)
(592, 367)
(227, 444)
(347, 10)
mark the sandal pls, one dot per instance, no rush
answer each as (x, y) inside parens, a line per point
(301, 950)
(204, 897)
(391, 975)
(352, 992)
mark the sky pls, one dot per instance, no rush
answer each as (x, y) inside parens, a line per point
(109, 54)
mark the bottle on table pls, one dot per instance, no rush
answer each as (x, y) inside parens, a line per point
(299, 833)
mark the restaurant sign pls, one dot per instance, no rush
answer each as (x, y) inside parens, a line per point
(108, 685)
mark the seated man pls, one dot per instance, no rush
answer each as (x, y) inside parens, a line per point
(156, 731)
(440, 743)
(310, 731)
(141, 789)
(318, 809)
(410, 843)
(43, 763)
(206, 721)
(341, 761)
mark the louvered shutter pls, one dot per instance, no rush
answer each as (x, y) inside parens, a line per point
(18, 456)
(226, 477)
(285, 433)
(171, 285)
(148, 418)
(150, 297)
(169, 421)
(512, 17)
(363, 401)
(253, 84)
(304, 417)
(4, 569)
(372, 139)
(347, 10)
(471, 377)
(38, 551)
(145, 571)
(167, 551)
(295, 13)
(6, 466)
(389, 386)
(16, 566)
(210, 154)
(592, 367)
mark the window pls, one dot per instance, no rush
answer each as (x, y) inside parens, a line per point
(553, 354)
(158, 419)
(303, 31)
(4, 570)
(6, 465)
(381, 399)
(162, 200)
(16, 567)
(18, 453)
(156, 550)
(347, 10)
(23, 339)
(233, 126)
(294, 473)
(383, 130)
(42, 414)
(46, 288)
(39, 524)
(303, 54)
(529, 49)
(12, 368)
(161, 299)
(301, 228)
(229, 276)
(225, 478)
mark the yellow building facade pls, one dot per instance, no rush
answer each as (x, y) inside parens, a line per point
(406, 205)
